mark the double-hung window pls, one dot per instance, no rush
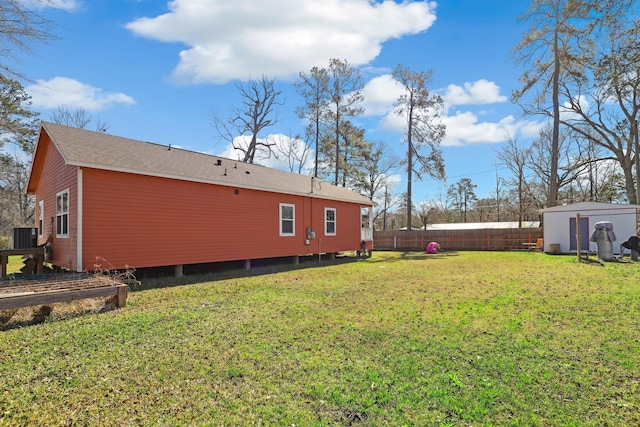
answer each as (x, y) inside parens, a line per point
(62, 214)
(41, 218)
(287, 219)
(329, 221)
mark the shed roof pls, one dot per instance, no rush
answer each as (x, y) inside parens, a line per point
(84, 148)
(589, 206)
(484, 225)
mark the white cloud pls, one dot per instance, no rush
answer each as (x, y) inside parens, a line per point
(473, 93)
(66, 92)
(393, 122)
(279, 38)
(463, 128)
(530, 128)
(380, 95)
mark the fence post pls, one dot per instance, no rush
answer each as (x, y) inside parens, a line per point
(578, 238)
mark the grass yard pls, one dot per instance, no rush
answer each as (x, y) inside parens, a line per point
(15, 264)
(457, 339)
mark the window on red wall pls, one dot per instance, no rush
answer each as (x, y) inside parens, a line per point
(41, 218)
(329, 221)
(62, 214)
(287, 219)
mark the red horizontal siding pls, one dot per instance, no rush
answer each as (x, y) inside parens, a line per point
(55, 176)
(141, 221)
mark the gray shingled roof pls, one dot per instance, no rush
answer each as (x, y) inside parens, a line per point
(80, 147)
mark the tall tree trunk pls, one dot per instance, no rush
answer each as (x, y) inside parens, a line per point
(337, 171)
(315, 169)
(629, 182)
(346, 161)
(409, 167)
(553, 179)
(520, 199)
(636, 156)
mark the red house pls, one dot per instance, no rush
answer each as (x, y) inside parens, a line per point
(103, 200)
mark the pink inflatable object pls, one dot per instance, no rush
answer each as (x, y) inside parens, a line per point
(432, 248)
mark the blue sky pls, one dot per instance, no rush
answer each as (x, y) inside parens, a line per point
(155, 70)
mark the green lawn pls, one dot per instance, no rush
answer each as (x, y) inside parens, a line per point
(15, 264)
(457, 339)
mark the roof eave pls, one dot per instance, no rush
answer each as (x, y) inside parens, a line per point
(363, 202)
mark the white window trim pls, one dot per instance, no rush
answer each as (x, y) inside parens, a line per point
(281, 219)
(41, 218)
(58, 233)
(335, 221)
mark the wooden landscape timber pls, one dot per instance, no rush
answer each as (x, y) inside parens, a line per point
(34, 293)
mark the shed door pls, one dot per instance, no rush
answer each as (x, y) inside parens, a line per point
(584, 234)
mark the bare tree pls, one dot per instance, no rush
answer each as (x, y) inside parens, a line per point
(426, 213)
(551, 51)
(611, 117)
(421, 110)
(345, 92)
(603, 181)
(516, 158)
(259, 99)
(384, 207)
(294, 150)
(400, 217)
(20, 26)
(78, 118)
(584, 50)
(483, 210)
(574, 159)
(17, 206)
(314, 88)
(499, 193)
(378, 165)
(445, 209)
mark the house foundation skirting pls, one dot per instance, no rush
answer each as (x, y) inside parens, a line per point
(181, 270)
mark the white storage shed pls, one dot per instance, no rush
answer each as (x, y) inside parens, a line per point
(560, 231)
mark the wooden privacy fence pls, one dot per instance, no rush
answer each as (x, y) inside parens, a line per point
(458, 240)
